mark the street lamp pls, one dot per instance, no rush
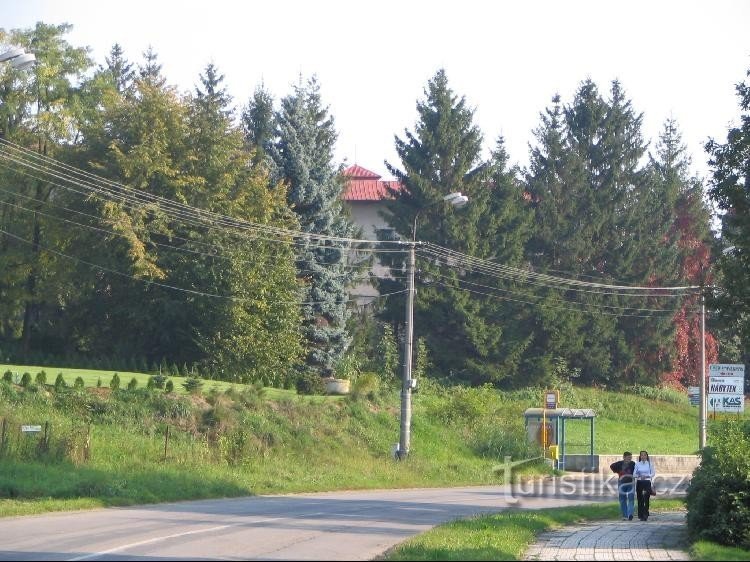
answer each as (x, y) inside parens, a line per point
(18, 58)
(457, 200)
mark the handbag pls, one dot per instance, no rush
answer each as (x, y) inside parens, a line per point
(653, 490)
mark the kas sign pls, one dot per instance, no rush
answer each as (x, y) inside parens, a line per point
(726, 388)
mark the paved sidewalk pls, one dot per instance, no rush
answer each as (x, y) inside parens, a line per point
(660, 538)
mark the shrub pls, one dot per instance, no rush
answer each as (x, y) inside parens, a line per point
(8, 376)
(388, 356)
(60, 382)
(25, 380)
(310, 383)
(500, 441)
(169, 387)
(252, 396)
(664, 394)
(99, 382)
(193, 385)
(366, 385)
(78, 383)
(717, 498)
(151, 384)
(114, 384)
(159, 380)
(133, 384)
(41, 378)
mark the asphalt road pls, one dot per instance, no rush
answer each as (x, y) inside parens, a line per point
(327, 526)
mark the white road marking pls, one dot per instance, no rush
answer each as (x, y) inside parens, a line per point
(164, 538)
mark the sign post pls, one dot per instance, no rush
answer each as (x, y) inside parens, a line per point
(551, 401)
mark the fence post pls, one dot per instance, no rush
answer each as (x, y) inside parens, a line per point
(166, 443)
(2, 435)
(87, 447)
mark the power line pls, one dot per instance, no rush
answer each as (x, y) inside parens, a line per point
(659, 311)
(573, 309)
(520, 274)
(164, 285)
(114, 233)
(121, 192)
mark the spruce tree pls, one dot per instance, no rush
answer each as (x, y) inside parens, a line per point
(258, 124)
(303, 155)
(601, 214)
(467, 335)
(120, 71)
(729, 188)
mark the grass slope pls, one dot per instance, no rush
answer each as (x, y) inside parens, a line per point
(235, 442)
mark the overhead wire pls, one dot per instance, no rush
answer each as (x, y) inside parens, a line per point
(160, 284)
(215, 255)
(546, 299)
(450, 258)
(509, 272)
(192, 222)
(114, 190)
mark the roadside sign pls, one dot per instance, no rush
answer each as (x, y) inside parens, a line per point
(31, 428)
(734, 403)
(726, 385)
(726, 370)
(694, 395)
(551, 399)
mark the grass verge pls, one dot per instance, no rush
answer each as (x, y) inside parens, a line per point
(503, 536)
(705, 550)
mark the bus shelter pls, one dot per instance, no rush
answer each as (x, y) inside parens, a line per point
(547, 427)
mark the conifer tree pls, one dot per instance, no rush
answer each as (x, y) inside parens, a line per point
(465, 333)
(729, 188)
(303, 155)
(258, 124)
(600, 213)
(121, 71)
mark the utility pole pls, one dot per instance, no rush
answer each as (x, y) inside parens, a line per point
(406, 381)
(702, 422)
(457, 200)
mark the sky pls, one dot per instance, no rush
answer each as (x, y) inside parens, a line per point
(675, 59)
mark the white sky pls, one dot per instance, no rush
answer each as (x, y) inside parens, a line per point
(373, 59)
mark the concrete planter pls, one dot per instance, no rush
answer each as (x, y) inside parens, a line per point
(337, 386)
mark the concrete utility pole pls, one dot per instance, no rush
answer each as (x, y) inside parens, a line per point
(406, 380)
(704, 399)
(457, 200)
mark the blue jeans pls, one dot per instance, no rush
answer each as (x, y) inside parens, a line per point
(626, 495)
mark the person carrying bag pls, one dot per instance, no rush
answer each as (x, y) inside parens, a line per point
(625, 486)
(644, 474)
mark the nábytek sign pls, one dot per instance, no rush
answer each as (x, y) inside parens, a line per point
(726, 385)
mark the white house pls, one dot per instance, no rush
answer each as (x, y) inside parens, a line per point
(364, 195)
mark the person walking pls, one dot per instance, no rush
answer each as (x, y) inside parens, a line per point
(625, 484)
(643, 473)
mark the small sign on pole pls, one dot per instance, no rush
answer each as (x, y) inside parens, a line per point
(694, 395)
(551, 399)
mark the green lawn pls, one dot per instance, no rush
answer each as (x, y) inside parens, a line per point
(91, 377)
(502, 536)
(705, 550)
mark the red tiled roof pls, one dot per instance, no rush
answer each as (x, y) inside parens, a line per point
(365, 185)
(360, 173)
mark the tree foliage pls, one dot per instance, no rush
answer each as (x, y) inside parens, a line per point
(730, 190)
